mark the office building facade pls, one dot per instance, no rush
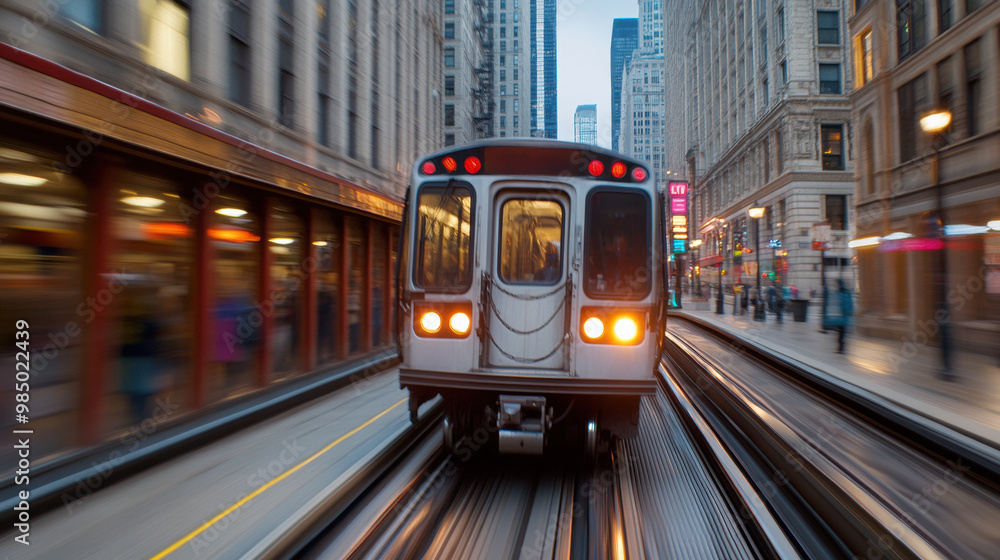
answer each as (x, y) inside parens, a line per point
(624, 41)
(585, 124)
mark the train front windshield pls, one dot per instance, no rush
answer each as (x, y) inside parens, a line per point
(618, 252)
(444, 238)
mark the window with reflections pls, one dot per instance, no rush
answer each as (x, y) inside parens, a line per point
(166, 36)
(42, 240)
(234, 233)
(355, 282)
(393, 279)
(154, 250)
(378, 282)
(444, 238)
(618, 245)
(328, 246)
(288, 279)
(531, 233)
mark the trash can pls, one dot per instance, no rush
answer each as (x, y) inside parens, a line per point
(800, 308)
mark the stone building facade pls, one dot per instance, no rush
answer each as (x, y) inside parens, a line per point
(928, 55)
(351, 87)
(759, 114)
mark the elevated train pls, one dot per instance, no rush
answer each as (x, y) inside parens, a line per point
(531, 291)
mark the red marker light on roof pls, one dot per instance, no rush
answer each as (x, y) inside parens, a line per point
(428, 168)
(473, 165)
(618, 170)
(595, 168)
(450, 164)
(639, 174)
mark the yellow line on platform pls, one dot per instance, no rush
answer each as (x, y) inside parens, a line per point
(260, 490)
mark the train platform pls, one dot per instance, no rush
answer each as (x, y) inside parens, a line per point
(899, 371)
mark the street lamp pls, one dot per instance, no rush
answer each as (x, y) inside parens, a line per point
(696, 245)
(757, 212)
(934, 123)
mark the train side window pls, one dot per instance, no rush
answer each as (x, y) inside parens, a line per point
(618, 245)
(444, 238)
(531, 233)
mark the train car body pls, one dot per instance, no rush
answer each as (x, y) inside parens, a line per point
(530, 291)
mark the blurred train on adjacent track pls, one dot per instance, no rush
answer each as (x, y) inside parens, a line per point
(165, 266)
(531, 291)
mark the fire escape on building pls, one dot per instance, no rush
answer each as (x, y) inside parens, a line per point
(482, 94)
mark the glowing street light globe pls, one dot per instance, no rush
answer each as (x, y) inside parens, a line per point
(935, 121)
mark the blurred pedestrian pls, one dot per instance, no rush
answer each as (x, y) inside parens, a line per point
(140, 357)
(839, 316)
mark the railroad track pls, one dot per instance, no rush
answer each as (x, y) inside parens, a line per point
(844, 475)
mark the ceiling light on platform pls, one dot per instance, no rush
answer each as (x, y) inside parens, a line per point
(897, 235)
(994, 225)
(282, 240)
(319, 243)
(231, 212)
(965, 229)
(864, 242)
(21, 180)
(143, 201)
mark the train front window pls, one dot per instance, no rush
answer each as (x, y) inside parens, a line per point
(444, 238)
(531, 233)
(618, 254)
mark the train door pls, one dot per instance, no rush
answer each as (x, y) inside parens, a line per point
(527, 299)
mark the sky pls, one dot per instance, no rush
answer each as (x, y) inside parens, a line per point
(583, 54)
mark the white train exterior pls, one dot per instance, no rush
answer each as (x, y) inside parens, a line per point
(531, 291)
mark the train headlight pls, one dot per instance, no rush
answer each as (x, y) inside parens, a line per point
(430, 322)
(626, 330)
(459, 323)
(593, 328)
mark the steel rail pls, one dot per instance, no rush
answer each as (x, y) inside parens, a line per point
(846, 516)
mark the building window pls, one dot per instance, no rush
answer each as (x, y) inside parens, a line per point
(449, 115)
(503, 32)
(836, 211)
(973, 5)
(503, 121)
(165, 26)
(449, 30)
(946, 15)
(503, 60)
(515, 106)
(515, 88)
(449, 57)
(828, 27)
(911, 22)
(866, 71)
(449, 139)
(767, 97)
(515, 32)
(449, 6)
(784, 71)
(831, 137)
(449, 85)
(779, 151)
(515, 60)
(780, 22)
(973, 87)
(239, 54)
(515, 40)
(503, 46)
(912, 99)
(515, 120)
(87, 13)
(286, 62)
(503, 75)
(503, 17)
(515, 73)
(829, 78)
(503, 89)
(503, 105)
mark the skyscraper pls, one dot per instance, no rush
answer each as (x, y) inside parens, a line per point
(624, 40)
(585, 124)
(524, 32)
(642, 103)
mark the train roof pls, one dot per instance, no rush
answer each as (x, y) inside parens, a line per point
(514, 156)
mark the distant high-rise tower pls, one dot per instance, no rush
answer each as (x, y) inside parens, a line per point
(524, 33)
(624, 40)
(585, 124)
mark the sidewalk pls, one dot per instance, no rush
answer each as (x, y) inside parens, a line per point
(899, 371)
